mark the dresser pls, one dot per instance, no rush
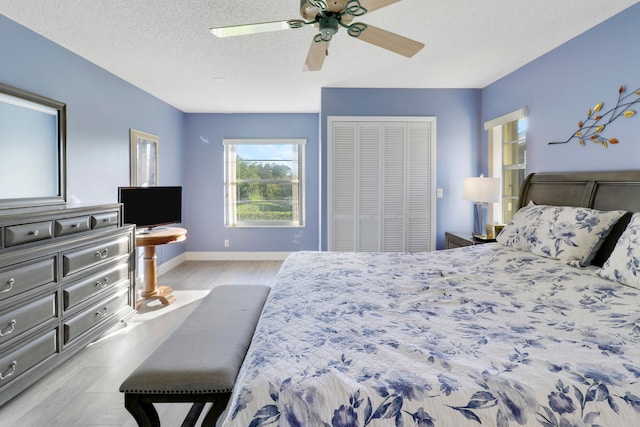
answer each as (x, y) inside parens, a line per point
(66, 277)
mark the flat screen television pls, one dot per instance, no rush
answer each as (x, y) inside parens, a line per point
(149, 207)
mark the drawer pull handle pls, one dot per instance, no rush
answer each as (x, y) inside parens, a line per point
(106, 220)
(34, 233)
(8, 286)
(102, 313)
(75, 225)
(12, 370)
(12, 327)
(102, 254)
(103, 284)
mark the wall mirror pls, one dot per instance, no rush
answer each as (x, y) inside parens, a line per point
(144, 158)
(32, 149)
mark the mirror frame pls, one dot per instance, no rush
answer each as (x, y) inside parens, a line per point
(61, 107)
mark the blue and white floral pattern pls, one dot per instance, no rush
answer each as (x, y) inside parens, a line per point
(623, 264)
(566, 233)
(516, 234)
(477, 336)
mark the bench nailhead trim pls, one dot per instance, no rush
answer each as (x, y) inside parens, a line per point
(176, 391)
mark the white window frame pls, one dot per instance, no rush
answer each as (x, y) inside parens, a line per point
(496, 168)
(230, 183)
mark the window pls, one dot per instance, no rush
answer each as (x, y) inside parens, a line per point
(507, 161)
(264, 180)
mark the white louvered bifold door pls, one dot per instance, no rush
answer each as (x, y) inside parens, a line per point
(343, 187)
(368, 238)
(380, 195)
(420, 199)
(394, 187)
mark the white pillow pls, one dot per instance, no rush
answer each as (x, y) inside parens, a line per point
(567, 233)
(624, 263)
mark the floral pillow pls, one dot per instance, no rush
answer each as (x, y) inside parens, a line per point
(567, 233)
(624, 263)
(516, 234)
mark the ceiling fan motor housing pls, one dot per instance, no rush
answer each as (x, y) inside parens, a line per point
(328, 25)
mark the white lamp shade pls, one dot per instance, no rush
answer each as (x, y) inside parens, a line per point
(482, 189)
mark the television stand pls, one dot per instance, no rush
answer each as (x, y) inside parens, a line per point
(149, 241)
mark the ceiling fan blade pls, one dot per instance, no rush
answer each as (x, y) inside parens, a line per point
(370, 6)
(386, 39)
(309, 9)
(316, 55)
(262, 27)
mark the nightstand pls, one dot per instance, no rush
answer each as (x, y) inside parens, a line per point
(458, 239)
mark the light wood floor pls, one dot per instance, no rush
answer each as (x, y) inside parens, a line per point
(84, 390)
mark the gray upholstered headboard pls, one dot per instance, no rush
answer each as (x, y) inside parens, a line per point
(618, 190)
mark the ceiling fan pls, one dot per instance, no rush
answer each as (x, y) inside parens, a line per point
(329, 16)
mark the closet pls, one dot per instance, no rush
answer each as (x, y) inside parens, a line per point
(381, 184)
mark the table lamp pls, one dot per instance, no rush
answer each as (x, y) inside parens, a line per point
(482, 191)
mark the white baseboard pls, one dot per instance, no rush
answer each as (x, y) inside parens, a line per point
(171, 264)
(220, 256)
(236, 256)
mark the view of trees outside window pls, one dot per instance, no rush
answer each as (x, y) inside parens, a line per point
(267, 183)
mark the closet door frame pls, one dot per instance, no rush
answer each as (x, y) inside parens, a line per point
(331, 120)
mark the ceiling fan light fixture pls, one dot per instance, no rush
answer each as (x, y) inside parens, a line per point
(329, 24)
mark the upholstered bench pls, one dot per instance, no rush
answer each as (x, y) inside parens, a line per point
(198, 363)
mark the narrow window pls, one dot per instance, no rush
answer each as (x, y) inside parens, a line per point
(264, 180)
(507, 161)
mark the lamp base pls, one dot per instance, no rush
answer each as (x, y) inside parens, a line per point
(480, 219)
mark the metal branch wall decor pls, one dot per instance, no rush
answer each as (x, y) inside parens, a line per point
(596, 122)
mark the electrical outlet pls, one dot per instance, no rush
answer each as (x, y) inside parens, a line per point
(226, 243)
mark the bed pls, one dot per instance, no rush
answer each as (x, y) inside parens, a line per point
(541, 328)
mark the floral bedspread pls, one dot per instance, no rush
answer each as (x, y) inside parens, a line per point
(482, 335)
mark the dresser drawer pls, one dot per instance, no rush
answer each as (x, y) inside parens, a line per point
(15, 321)
(107, 219)
(86, 288)
(26, 233)
(66, 226)
(20, 278)
(77, 260)
(77, 325)
(19, 360)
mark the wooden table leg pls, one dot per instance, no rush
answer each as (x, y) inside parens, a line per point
(151, 289)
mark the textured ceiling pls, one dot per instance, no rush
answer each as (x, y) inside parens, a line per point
(165, 48)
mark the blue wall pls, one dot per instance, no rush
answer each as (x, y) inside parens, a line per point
(558, 89)
(101, 109)
(204, 194)
(458, 128)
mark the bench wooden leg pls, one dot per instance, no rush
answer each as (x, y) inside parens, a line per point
(143, 412)
(218, 407)
(193, 415)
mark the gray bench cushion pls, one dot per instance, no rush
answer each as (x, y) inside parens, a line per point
(205, 353)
